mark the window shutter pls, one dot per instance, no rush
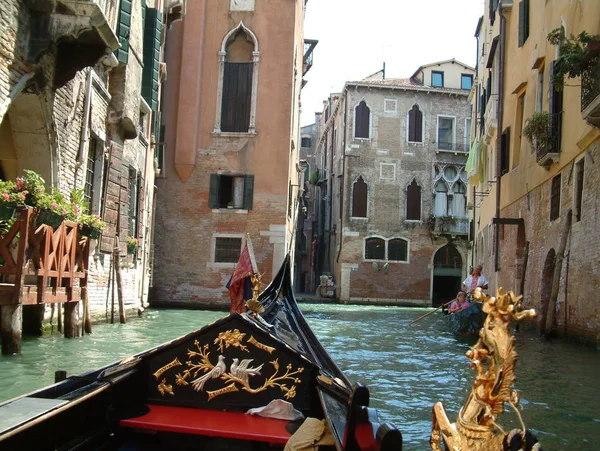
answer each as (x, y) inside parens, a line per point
(248, 192)
(504, 151)
(140, 213)
(418, 125)
(237, 97)
(151, 73)
(359, 199)
(413, 201)
(213, 198)
(123, 30)
(361, 127)
(523, 22)
(555, 107)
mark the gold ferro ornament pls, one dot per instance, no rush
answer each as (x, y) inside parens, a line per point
(494, 358)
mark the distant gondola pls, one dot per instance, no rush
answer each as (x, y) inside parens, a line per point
(194, 392)
(467, 322)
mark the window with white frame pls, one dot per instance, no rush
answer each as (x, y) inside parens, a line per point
(362, 120)
(415, 124)
(467, 134)
(231, 191)
(227, 249)
(238, 82)
(446, 137)
(393, 249)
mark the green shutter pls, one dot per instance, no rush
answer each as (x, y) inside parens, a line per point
(124, 28)
(151, 74)
(213, 197)
(248, 192)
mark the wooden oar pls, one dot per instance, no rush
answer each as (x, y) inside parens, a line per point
(429, 313)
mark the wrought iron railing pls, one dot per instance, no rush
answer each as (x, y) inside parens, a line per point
(554, 138)
(590, 83)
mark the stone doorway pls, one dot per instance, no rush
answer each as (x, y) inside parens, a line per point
(447, 274)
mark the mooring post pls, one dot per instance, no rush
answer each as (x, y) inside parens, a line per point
(11, 319)
(60, 376)
(71, 325)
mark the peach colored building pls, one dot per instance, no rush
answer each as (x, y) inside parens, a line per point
(231, 125)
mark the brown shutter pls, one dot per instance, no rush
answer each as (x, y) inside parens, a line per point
(237, 97)
(141, 199)
(248, 191)
(413, 201)
(359, 199)
(361, 127)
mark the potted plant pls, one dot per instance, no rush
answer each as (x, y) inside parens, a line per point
(577, 54)
(430, 223)
(8, 203)
(537, 129)
(132, 245)
(91, 225)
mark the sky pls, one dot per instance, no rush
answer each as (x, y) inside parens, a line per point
(357, 36)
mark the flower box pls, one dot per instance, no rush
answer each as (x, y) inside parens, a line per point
(8, 211)
(50, 218)
(89, 231)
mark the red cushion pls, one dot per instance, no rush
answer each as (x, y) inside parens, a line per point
(212, 423)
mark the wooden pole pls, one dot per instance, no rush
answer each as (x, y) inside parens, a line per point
(112, 289)
(59, 317)
(433, 311)
(560, 255)
(117, 260)
(109, 287)
(11, 317)
(71, 319)
(87, 316)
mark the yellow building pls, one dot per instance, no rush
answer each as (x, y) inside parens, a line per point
(524, 187)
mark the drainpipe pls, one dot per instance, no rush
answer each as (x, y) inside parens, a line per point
(499, 136)
(344, 179)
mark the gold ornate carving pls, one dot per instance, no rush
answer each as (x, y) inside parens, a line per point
(229, 389)
(200, 369)
(163, 388)
(493, 357)
(231, 338)
(259, 345)
(167, 367)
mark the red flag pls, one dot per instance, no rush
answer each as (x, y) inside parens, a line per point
(246, 266)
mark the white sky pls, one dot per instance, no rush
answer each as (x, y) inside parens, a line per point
(357, 36)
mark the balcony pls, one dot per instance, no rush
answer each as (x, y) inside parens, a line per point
(456, 148)
(448, 225)
(82, 31)
(550, 152)
(590, 93)
(491, 118)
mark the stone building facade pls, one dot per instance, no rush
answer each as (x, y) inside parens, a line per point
(79, 90)
(395, 225)
(522, 234)
(231, 134)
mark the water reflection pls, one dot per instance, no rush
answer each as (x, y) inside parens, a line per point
(407, 368)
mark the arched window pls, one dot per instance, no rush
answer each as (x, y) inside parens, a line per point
(441, 199)
(375, 249)
(413, 201)
(415, 125)
(359, 198)
(362, 117)
(397, 250)
(238, 82)
(459, 200)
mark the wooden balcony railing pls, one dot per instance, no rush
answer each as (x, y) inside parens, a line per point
(41, 264)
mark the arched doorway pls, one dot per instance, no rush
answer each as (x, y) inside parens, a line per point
(447, 274)
(546, 288)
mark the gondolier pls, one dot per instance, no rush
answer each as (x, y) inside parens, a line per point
(474, 280)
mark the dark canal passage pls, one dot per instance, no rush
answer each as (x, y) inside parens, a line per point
(406, 368)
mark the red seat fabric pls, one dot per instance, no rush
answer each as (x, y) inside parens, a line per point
(212, 423)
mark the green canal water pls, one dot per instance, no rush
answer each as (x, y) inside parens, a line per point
(406, 368)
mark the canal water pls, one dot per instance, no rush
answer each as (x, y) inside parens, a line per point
(407, 368)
